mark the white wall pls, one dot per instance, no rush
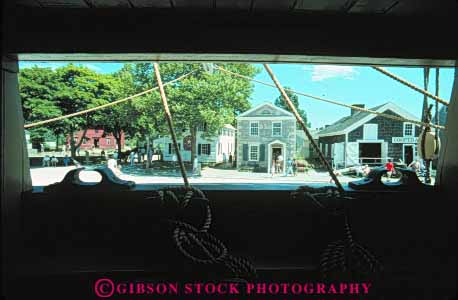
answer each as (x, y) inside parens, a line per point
(214, 157)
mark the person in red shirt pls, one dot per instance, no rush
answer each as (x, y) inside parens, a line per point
(389, 166)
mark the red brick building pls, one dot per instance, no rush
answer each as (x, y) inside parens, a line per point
(97, 139)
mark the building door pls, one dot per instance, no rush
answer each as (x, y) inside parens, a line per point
(408, 154)
(370, 153)
(338, 154)
(351, 154)
(96, 143)
(276, 153)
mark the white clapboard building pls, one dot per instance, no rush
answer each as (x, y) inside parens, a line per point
(215, 149)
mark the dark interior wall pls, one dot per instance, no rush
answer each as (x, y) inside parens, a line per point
(147, 31)
(409, 232)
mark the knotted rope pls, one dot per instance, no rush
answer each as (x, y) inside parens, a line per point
(344, 257)
(191, 237)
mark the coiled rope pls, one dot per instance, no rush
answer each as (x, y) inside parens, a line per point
(191, 236)
(343, 258)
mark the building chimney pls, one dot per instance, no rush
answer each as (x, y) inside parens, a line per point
(354, 111)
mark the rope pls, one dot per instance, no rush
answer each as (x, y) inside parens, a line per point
(304, 128)
(168, 117)
(392, 117)
(410, 85)
(194, 241)
(344, 257)
(104, 105)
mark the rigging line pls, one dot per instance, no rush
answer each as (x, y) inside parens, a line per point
(168, 117)
(304, 128)
(410, 85)
(393, 117)
(105, 105)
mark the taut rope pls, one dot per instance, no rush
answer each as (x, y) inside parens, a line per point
(104, 105)
(392, 117)
(304, 128)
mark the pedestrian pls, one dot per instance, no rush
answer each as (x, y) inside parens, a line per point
(54, 161)
(66, 160)
(366, 170)
(132, 158)
(112, 164)
(415, 166)
(102, 153)
(273, 167)
(280, 163)
(86, 154)
(289, 169)
(294, 166)
(174, 159)
(46, 160)
(389, 166)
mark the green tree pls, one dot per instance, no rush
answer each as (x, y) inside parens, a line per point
(210, 99)
(280, 102)
(201, 98)
(119, 119)
(79, 88)
(37, 87)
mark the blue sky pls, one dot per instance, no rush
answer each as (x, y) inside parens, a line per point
(347, 84)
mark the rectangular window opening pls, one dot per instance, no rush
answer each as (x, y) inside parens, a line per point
(234, 141)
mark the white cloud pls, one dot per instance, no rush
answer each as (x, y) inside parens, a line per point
(323, 72)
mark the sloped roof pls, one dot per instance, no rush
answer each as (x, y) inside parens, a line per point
(348, 121)
(253, 111)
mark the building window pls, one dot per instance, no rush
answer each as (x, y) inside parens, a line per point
(205, 149)
(220, 148)
(254, 152)
(254, 128)
(172, 149)
(276, 129)
(202, 127)
(370, 132)
(409, 129)
(108, 141)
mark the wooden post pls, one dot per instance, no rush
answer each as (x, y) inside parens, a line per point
(168, 117)
(304, 128)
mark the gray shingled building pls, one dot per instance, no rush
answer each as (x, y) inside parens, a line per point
(264, 132)
(365, 138)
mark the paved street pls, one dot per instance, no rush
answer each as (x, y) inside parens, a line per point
(49, 175)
